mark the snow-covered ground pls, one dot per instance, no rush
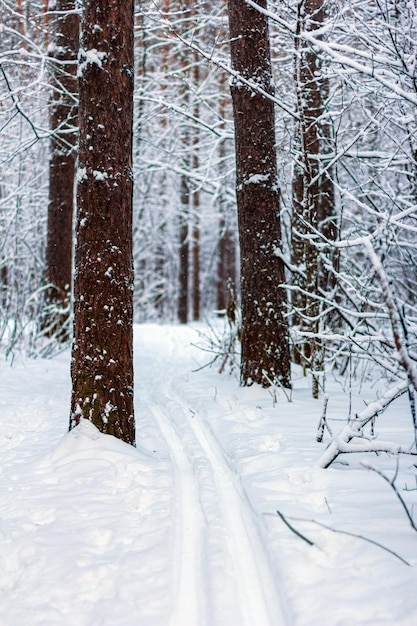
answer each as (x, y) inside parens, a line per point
(184, 530)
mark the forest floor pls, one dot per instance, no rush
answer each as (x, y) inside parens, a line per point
(184, 529)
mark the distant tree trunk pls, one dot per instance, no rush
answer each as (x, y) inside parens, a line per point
(21, 22)
(184, 14)
(226, 258)
(196, 258)
(102, 353)
(184, 250)
(195, 198)
(63, 123)
(226, 268)
(298, 296)
(4, 284)
(45, 20)
(313, 192)
(265, 348)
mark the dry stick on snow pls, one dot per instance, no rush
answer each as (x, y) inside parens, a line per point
(333, 530)
(323, 421)
(350, 534)
(394, 488)
(296, 532)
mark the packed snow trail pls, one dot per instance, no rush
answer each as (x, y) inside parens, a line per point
(183, 530)
(221, 573)
(188, 523)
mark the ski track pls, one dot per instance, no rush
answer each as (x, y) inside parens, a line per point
(187, 543)
(221, 573)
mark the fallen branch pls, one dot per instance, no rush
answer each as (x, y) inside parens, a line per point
(296, 532)
(323, 421)
(355, 427)
(350, 534)
(335, 530)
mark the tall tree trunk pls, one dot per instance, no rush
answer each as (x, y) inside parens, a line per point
(184, 250)
(265, 348)
(195, 198)
(185, 12)
(313, 192)
(102, 353)
(196, 258)
(63, 123)
(226, 257)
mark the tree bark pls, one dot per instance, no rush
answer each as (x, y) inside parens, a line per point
(265, 348)
(226, 257)
(313, 191)
(102, 353)
(184, 251)
(63, 123)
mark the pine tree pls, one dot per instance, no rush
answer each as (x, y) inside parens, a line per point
(102, 353)
(63, 121)
(265, 348)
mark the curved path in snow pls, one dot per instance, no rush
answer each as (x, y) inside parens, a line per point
(221, 573)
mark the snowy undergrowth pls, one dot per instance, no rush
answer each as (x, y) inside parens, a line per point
(184, 530)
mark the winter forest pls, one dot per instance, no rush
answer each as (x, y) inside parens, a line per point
(227, 190)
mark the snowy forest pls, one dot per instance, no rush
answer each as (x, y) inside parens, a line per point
(343, 88)
(240, 177)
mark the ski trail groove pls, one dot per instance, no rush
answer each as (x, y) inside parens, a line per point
(188, 523)
(255, 595)
(258, 592)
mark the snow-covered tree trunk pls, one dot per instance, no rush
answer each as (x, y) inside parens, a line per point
(184, 246)
(195, 198)
(265, 348)
(63, 121)
(102, 353)
(226, 258)
(185, 14)
(313, 194)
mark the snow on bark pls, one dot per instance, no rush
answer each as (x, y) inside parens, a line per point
(102, 355)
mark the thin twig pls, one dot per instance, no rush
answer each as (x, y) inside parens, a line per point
(16, 103)
(335, 530)
(394, 488)
(286, 522)
(375, 543)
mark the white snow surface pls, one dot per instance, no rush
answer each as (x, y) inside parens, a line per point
(183, 530)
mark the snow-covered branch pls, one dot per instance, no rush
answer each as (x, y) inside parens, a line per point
(342, 443)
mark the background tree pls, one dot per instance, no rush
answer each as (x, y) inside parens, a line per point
(63, 50)
(23, 177)
(183, 126)
(361, 72)
(313, 194)
(102, 353)
(265, 348)
(367, 160)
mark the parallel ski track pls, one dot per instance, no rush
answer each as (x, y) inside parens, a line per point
(198, 459)
(187, 610)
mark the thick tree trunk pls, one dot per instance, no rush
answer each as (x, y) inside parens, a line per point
(265, 349)
(63, 123)
(102, 354)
